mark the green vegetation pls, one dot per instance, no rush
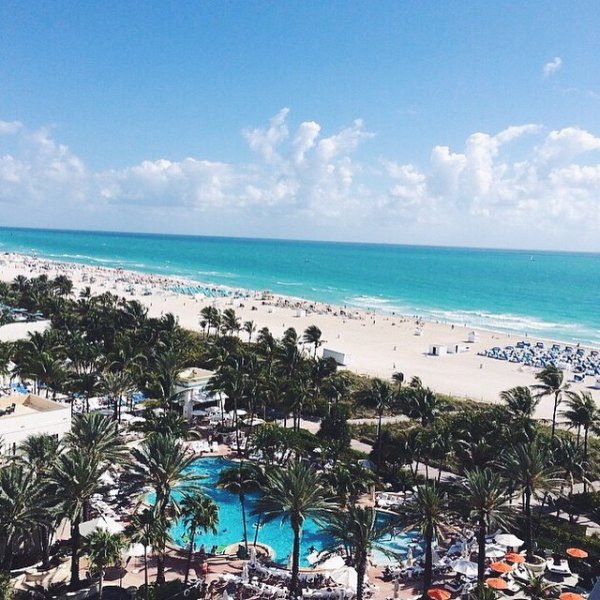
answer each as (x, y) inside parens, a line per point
(510, 464)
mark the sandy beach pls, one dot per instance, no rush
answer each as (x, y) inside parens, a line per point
(377, 344)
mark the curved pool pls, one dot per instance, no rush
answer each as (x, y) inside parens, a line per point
(275, 534)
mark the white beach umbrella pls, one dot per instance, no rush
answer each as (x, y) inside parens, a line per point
(465, 567)
(105, 523)
(509, 540)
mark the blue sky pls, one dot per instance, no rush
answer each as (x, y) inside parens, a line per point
(460, 123)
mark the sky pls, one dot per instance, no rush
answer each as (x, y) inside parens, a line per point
(461, 123)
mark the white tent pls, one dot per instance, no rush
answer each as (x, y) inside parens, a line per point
(105, 523)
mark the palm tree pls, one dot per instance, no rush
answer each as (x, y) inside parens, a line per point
(529, 467)
(359, 531)
(552, 384)
(485, 494)
(40, 452)
(582, 413)
(536, 587)
(104, 549)
(422, 404)
(145, 529)
(199, 512)
(427, 514)
(249, 327)
(162, 464)
(521, 405)
(20, 511)
(348, 481)
(293, 494)
(398, 379)
(76, 474)
(312, 335)
(379, 395)
(238, 480)
(97, 436)
(116, 385)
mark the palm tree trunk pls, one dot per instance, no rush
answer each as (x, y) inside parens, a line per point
(556, 396)
(188, 563)
(528, 533)
(585, 454)
(481, 549)
(45, 546)
(360, 579)
(75, 551)
(160, 567)
(379, 441)
(145, 571)
(244, 524)
(257, 530)
(101, 583)
(295, 560)
(427, 575)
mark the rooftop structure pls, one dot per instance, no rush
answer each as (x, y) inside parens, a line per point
(193, 396)
(23, 415)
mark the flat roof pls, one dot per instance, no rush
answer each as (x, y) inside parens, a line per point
(193, 374)
(28, 404)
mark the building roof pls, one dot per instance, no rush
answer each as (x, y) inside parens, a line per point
(28, 405)
(194, 375)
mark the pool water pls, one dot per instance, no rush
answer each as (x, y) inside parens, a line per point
(277, 535)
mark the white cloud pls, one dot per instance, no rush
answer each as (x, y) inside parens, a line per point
(10, 127)
(522, 186)
(552, 67)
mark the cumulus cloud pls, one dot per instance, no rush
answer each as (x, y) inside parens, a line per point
(552, 67)
(523, 186)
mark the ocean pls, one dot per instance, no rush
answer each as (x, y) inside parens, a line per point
(553, 295)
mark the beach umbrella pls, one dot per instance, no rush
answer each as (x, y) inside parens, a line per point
(577, 553)
(570, 596)
(513, 557)
(497, 583)
(465, 567)
(509, 540)
(438, 594)
(333, 562)
(501, 567)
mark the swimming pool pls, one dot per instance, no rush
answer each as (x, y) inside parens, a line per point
(275, 534)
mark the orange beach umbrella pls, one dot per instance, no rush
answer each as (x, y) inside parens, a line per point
(570, 596)
(513, 557)
(497, 583)
(438, 594)
(577, 553)
(501, 567)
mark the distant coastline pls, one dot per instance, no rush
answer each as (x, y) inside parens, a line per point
(552, 296)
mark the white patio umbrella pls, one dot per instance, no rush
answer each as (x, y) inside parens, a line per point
(105, 523)
(465, 567)
(137, 550)
(509, 540)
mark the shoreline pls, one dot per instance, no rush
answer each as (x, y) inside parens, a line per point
(378, 343)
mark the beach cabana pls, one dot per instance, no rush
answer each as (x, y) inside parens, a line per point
(438, 350)
(473, 337)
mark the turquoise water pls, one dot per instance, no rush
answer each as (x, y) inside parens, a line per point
(546, 294)
(275, 534)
